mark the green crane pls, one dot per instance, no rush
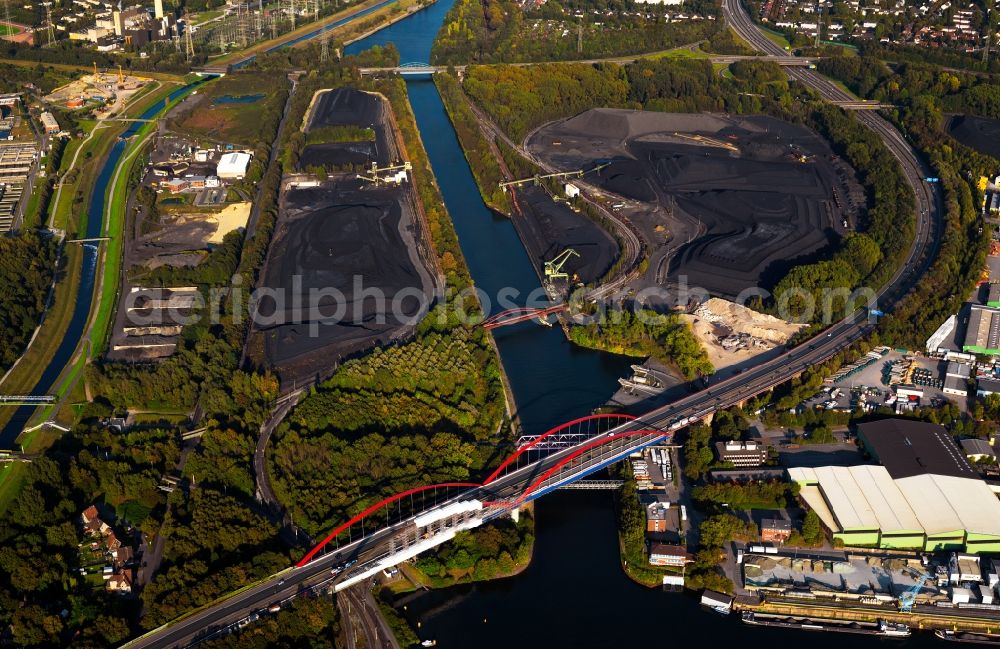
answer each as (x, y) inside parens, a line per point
(554, 267)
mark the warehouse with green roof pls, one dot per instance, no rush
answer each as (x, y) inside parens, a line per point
(924, 496)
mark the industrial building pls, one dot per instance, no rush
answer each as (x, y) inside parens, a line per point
(983, 334)
(986, 387)
(909, 448)
(742, 454)
(233, 166)
(49, 123)
(993, 296)
(925, 496)
(978, 450)
(864, 507)
(943, 333)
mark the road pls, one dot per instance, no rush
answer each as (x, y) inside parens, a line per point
(265, 492)
(361, 613)
(625, 439)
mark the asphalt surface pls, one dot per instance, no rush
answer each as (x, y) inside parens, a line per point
(361, 614)
(624, 440)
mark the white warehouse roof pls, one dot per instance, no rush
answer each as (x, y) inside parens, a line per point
(867, 498)
(233, 165)
(946, 503)
(861, 497)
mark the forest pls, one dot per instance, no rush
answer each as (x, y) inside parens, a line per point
(504, 31)
(487, 552)
(924, 94)
(417, 413)
(645, 333)
(27, 264)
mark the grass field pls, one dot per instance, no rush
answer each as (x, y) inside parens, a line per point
(231, 122)
(9, 30)
(776, 38)
(681, 53)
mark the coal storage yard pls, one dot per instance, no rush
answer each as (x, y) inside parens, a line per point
(745, 198)
(551, 227)
(338, 242)
(979, 133)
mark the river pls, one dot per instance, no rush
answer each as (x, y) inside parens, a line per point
(85, 291)
(574, 593)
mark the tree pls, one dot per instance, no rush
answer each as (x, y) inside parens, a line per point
(812, 531)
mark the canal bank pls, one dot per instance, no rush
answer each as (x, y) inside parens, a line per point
(97, 208)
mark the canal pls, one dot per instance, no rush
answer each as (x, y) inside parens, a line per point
(552, 380)
(85, 291)
(574, 593)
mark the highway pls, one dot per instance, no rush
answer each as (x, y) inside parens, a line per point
(624, 439)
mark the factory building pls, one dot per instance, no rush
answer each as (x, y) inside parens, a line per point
(983, 334)
(978, 450)
(49, 123)
(943, 333)
(925, 496)
(233, 165)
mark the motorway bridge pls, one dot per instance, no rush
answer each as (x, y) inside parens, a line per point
(399, 527)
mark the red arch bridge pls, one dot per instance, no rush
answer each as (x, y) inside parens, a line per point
(521, 314)
(402, 526)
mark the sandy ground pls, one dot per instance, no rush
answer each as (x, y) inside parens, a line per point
(717, 319)
(232, 218)
(99, 85)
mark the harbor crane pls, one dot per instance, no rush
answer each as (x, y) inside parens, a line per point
(562, 174)
(907, 599)
(554, 267)
(396, 178)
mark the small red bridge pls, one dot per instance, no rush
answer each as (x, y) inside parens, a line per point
(520, 314)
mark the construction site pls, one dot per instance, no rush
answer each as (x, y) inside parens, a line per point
(724, 203)
(735, 336)
(342, 237)
(105, 92)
